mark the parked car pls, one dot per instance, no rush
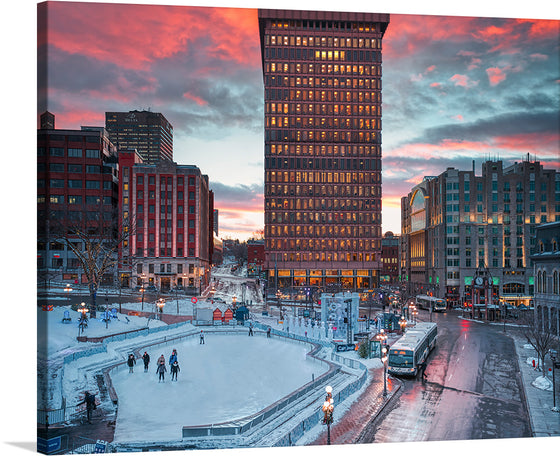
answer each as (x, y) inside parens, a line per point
(151, 288)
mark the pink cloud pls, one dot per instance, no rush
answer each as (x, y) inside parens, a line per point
(116, 33)
(199, 101)
(462, 80)
(475, 63)
(505, 38)
(495, 76)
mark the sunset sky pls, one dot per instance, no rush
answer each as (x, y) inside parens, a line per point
(455, 89)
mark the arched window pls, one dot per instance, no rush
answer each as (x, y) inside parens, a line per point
(539, 283)
(555, 282)
(544, 287)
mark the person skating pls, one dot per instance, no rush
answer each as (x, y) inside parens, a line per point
(89, 400)
(251, 329)
(174, 370)
(161, 370)
(161, 359)
(146, 359)
(131, 362)
(173, 357)
(268, 332)
(201, 337)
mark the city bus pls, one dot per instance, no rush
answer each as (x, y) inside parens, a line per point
(427, 302)
(412, 349)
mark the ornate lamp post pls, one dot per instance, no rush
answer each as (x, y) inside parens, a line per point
(384, 361)
(402, 323)
(83, 319)
(160, 304)
(68, 289)
(142, 291)
(278, 298)
(553, 354)
(328, 409)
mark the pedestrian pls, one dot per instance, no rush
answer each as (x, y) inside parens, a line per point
(423, 371)
(173, 357)
(251, 329)
(174, 370)
(89, 400)
(146, 359)
(201, 337)
(131, 362)
(268, 332)
(161, 370)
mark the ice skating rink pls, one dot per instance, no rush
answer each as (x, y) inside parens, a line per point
(229, 377)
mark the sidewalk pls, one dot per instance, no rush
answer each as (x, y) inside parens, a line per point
(544, 422)
(349, 428)
(79, 432)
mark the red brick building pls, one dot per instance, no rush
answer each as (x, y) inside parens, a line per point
(170, 206)
(77, 186)
(255, 257)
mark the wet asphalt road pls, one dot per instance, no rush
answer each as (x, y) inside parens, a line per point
(473, 390)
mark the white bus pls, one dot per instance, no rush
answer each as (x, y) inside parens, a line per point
(412, 349)
(436, 304)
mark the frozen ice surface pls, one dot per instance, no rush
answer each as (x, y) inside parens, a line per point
(229, 377)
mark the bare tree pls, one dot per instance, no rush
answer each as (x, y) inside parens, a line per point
(95, 236)
(542, 340)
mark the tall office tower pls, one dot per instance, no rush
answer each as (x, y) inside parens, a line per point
(322, 79)
(148, 132)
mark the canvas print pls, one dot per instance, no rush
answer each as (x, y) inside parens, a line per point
(262, 228)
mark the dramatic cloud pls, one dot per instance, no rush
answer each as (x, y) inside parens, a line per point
(454, 89)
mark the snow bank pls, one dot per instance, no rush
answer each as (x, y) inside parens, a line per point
(54, 336)
(542, 383)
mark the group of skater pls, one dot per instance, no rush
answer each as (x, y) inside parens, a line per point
(268, 331)
(161, 369)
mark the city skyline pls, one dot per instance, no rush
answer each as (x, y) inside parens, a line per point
(455, 89)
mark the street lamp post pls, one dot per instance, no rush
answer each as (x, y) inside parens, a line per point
(328, 409)
(278, 299)
(553, 354)
(160, 304)
(83, 319)
(68, 290)
(384, 360)
(504, 308)
(402, 323)
(142, 290)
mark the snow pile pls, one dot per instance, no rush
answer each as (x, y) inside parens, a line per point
(532, 361)
(528, 347)
(542, 383)
(54, 336)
